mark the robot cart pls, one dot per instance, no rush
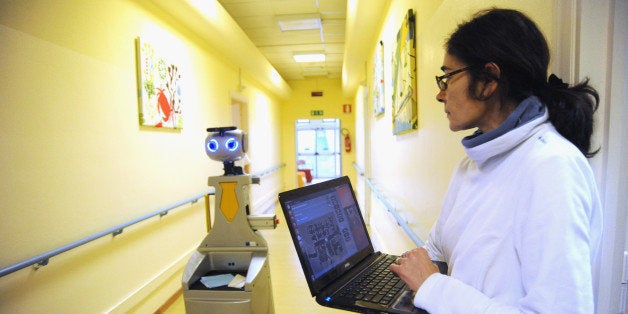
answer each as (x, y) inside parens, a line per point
(232, 246)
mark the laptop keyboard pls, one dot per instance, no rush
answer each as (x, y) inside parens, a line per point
(377, 284)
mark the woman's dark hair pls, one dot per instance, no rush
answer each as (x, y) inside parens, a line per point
(514, 42)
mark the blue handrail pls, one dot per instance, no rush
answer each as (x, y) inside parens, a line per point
(268, 171)
(390, 208)
(42, 259)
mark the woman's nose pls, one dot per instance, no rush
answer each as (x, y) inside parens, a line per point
(440, 97)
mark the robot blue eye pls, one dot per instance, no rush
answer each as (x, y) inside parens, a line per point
(232, 144)
(328, 299)
(212, 145)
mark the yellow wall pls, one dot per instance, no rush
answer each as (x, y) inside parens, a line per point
(412, 170)
(265, 148)
(299, 107)
(75, 161)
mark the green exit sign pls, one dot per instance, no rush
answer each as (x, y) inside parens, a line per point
(316, 112)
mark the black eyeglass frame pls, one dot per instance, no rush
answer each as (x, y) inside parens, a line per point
(442, 85)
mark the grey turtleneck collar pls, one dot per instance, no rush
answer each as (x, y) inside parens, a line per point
(528, 110)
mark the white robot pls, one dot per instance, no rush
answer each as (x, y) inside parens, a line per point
(232, 247)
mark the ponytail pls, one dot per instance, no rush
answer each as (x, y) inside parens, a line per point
(571, 111)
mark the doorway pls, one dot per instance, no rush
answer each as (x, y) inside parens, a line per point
(318, 148)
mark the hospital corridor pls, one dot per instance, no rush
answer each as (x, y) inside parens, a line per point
(253, 156)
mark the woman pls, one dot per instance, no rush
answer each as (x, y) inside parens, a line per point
(521, 223)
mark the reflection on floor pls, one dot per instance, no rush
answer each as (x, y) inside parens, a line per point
(290, 291)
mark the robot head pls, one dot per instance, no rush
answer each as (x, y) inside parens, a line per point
(226, 144)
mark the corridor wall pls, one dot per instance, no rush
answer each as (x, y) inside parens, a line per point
(413, 169)
(75, 160)
(586, 40)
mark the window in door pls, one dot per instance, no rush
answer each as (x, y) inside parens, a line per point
(318, 148)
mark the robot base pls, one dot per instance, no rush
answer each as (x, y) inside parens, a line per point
(254, 297)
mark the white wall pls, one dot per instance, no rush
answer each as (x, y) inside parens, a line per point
(601, 55)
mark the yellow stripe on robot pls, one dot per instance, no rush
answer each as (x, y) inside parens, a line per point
(229, 201)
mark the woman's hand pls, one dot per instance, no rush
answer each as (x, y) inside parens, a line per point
(413, 267)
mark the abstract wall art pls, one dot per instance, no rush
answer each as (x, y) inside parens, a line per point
(159, 88)
(404, 97)
(378, 80)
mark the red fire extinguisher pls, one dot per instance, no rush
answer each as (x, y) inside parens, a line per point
(345, 132)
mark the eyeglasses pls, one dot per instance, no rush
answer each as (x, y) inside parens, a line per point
(440, 80)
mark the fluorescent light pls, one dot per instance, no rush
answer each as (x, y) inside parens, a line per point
(298, 22)
(309, 57)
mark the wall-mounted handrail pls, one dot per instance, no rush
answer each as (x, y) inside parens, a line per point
(268, 171)
(42, 259)
(358, 169)
(390, 208)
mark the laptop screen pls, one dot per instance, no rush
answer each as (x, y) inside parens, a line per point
(327, 229)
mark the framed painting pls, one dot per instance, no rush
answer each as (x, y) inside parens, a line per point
(378, 80)
(159, 88)
(404, 97)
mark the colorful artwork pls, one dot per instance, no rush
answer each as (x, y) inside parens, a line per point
(404, 108)
(378, 80)
(159, 89)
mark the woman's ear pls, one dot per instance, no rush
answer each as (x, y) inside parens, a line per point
(487, 86)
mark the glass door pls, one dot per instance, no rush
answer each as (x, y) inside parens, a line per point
(318, 148)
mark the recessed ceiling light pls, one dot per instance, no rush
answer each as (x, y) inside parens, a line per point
(298, 22)
(309, 57)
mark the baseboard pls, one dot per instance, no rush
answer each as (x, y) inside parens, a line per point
(164, 307)
(156, 282)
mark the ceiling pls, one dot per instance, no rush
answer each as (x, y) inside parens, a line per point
(259, 20)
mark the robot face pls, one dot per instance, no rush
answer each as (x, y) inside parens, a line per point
(226, 146)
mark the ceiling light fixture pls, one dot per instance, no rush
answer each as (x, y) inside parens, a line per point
(298, 22)
(309, 57)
